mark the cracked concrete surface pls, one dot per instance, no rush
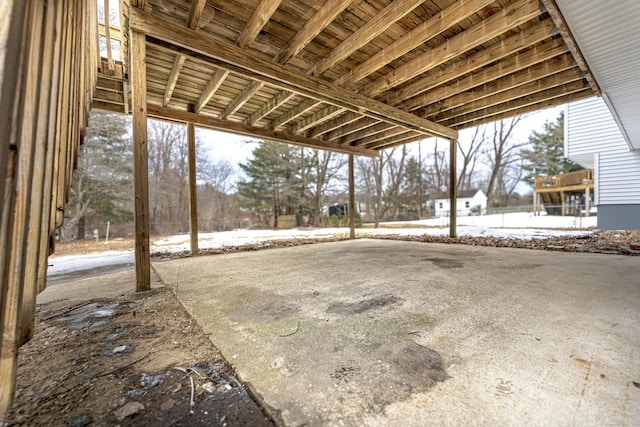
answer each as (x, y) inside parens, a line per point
(378, 332)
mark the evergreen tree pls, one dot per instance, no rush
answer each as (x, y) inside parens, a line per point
(103, 182)
(412, 189)
(273, 186)
(546, 155)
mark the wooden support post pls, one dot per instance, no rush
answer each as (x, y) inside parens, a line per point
(138, 71)
(535, 203)
(19, 177)
(352, 200)
(563, 211)
(193, 196)
(453, 149)
(587, 201)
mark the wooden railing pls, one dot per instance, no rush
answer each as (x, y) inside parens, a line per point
(113, 39)
(582, 178)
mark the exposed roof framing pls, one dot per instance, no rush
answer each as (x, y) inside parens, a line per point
(353, 75)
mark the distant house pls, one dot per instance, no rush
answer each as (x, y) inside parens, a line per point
(465, 202)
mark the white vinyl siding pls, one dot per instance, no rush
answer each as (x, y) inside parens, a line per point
(591, 130)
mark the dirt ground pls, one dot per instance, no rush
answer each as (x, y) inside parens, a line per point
(142, 360)
(130, 360)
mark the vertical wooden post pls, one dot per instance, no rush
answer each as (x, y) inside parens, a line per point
(41, 149)
(352, 199)
(193, 196)
(19, 176)
(587, 202)
(562, 202)
(138, 72)
(453, 149)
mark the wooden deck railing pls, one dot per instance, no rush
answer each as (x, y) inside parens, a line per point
(581, 178)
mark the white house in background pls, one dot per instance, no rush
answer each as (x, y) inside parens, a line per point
(594, 140)
(465, 202)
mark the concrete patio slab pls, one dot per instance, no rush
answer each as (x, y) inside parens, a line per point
(375, 332)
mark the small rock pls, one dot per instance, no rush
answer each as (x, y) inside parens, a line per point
(81, 421)
(119, 349)
(209, 387)
(168, 404)
(128, 409)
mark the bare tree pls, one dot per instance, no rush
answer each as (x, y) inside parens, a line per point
(320, 170)
(469, 158)
(381, 176)
(503, 154)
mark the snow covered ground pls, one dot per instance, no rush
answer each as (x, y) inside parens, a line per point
(520, 225)
(513, 225)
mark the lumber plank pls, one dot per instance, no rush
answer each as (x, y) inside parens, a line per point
(195, 12)
(498, 23)
(261, 133)
(258, 20)
(193, 190)
(178, 63)
(140, 160)
(210, 89)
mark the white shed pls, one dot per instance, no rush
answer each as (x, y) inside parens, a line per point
(465, 202)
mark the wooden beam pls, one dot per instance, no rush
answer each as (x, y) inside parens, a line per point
(341, 121)
(173, 78)
(193, 189)
(210, 89)
(435, 25)
(400, 139)
(374, 131)
(318, 117)
(323, 17)
(363, 35)
(235, 59)
(273, 104)
(476, 61)
(530, 99)
(260, 133)
(292, 113)
(453, 150)
(530, 59)
(352, 199)
(140, 159)
(349, 128)
(38, 195)
(571, 79)
(258, 20)
(563, 28)
(497, 24)
(553, 72)
(516, 110)
(195, 12)
(380, 134)
(241, 99)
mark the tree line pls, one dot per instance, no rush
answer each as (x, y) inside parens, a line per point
(280, 179)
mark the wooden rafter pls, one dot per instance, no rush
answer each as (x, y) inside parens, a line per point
(235, 59)
(294, 112)
(528, 99)
(399, 139)
(382, 21)
(363, 35)
(536, 106)
(313, 119)
(488, 99)
(563, 28)
(258, 19)
(327, 13)
(195, 12)
(504, 48)
(275, 102)
(211, 88)
(359, 137)
(354, 126)
(173, 78)
(427, 30)
(519, 62)
(241, 99)
(510, 17)
(243, 129)
(384, 135)
(562, 68)
(343, 120)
